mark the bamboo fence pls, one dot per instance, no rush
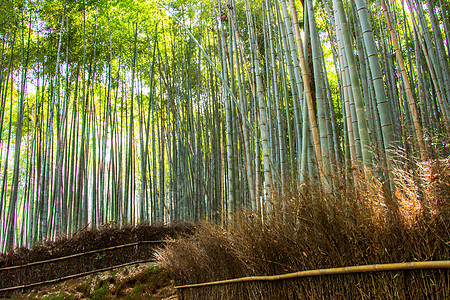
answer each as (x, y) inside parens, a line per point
(13, 288)
(68, 257)
(443, 264)
(78, 255)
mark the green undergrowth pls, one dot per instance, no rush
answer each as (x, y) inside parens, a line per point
(61, 296)
(146, 283)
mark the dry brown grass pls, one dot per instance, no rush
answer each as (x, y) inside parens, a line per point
(359, 222)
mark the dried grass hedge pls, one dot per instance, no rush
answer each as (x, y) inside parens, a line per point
(360, 222)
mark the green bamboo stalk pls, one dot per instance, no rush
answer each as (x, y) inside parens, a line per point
(13, 202)
(354, 80)
(309, 100)
(278, 104)
(441, 54)
(297, 87)
(320, 88)
(411, 101)
(431, 69)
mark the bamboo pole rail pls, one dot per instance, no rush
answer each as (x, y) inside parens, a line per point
(78, 254)
(71, 276)
(443, 264)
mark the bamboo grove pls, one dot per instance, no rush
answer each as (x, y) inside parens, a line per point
(127, 111)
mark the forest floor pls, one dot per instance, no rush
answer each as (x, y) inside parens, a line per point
(142, 281)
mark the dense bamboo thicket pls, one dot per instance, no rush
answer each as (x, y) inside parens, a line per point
(134, 111)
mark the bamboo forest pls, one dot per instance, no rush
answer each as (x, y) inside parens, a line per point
(131, 111)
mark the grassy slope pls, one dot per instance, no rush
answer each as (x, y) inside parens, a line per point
(144, 281)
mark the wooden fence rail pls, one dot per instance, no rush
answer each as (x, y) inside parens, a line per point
(13, 288)
(443, 264)
(78, 255)
(30, 274)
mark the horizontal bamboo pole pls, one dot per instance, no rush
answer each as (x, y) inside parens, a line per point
(443, 264)
(71, 276)
(78, 254)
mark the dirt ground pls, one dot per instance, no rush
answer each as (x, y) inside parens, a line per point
(142, 281)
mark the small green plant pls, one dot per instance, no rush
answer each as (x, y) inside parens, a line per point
(137, 292)
(99, 256)
(100, 293)
(61, 296)
(84, 288)
(138, 289)
(151, 271)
